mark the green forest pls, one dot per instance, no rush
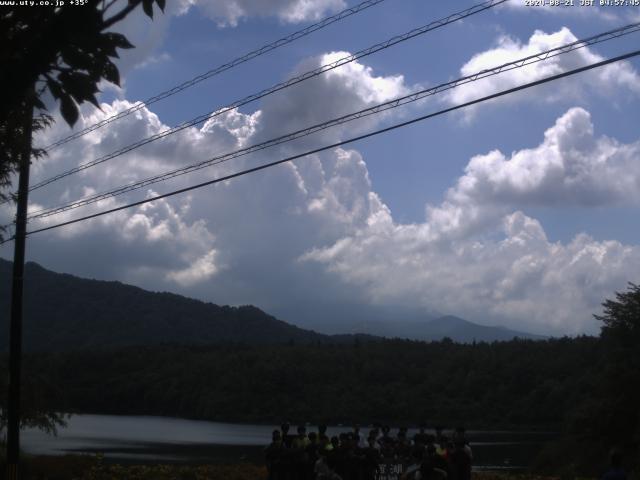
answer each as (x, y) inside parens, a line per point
(506, 384)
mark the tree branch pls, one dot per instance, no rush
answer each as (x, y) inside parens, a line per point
(120, 15)
(108, 6)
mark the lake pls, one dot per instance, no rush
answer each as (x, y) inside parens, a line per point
(139, 439)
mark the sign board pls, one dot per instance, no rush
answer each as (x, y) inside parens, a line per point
(390, 471)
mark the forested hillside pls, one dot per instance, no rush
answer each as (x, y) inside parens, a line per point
(64, 312)
(518, 383)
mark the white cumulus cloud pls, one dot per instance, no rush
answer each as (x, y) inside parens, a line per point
(478, 255)
(189, 240)
(346, 89)
(572, 166)
(607, 80)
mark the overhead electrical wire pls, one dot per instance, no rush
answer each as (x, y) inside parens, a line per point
(344, 142)
(413, 97)
(347, 12)
(455, 17)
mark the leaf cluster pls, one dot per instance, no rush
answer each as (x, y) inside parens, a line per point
(64, 52)
(621, 317)
(68, 49)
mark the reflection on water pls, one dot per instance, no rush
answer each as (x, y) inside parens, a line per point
(145, 439)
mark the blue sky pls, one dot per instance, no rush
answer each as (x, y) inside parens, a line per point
(477, 213)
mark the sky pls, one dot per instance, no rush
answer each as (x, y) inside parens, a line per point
(520, 212)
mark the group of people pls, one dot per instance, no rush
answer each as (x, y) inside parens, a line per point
(380, 455)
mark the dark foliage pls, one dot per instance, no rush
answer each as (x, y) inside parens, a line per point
(614, 415)
(518, 383)
(607, 417)
(68, 50)
(621, 317)
(65, 51)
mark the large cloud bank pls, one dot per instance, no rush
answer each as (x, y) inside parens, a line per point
(479, 256)
(314, 230)
(221, 241)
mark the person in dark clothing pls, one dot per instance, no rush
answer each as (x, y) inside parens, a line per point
(460, 435)
(439, 461)
(339, 462)
(443, 446)
(313, 439)
(428, 469)
(322, 470)
(371, 459)
(324, 443)
(274, 456)
(322, 434)
(312, 452)
(402, 445)
(421, 436)
(299, 453)
(333, 455)
(301, 440)
(460, 462)
(386, 443)
(439, 436)
(429, 472)
(287, 465)
(417, 450)
(286, 438)
(352, 458)
(615, 470)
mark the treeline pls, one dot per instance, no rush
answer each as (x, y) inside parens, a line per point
(518, 383)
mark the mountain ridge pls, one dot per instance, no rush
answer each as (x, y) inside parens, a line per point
(66, 312)
(433, 329)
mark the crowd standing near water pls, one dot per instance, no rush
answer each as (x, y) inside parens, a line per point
(379, 455)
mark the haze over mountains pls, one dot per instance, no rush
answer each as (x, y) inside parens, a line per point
(430, 329)
(64, 312)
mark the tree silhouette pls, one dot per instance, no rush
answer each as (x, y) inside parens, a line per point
(65, 51)
(618, 418)
(621, 317)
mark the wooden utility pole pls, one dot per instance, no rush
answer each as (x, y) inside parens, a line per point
(15, 334)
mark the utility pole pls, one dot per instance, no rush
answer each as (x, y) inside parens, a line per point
(15, 334)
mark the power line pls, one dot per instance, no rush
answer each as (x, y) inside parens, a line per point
(344, 142)
(413, 97)
(222, 68)
(280, 86)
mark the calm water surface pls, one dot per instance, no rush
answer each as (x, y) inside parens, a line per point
(152, 439)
